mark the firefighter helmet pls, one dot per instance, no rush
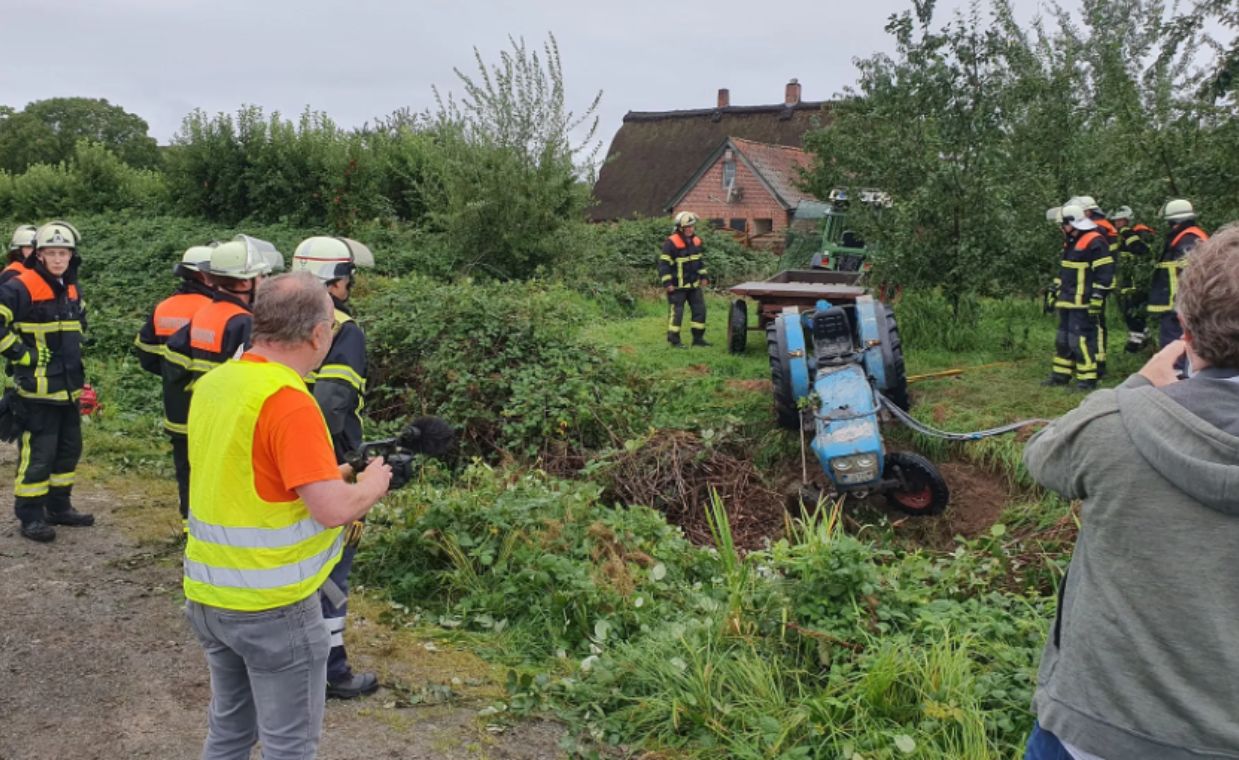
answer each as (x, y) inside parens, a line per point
(685, 219)
(1088, 202)
(1178, 210)
(331, 258)
(23, 237)
(1074, 215)
(195, 259)
(264, 251)
(1054, 214)
(1122, 212)
(56, 235)
(237, 261)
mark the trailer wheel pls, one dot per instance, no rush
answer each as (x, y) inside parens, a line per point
(737, 326)
(892, 357)
(923, 491)
(785, 411)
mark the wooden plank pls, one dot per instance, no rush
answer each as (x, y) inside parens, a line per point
(797, 290)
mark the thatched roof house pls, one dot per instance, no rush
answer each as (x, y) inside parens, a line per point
(656, 153)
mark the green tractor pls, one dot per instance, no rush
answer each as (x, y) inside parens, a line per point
(839, 248)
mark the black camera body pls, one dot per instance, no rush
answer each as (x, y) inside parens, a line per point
(427, 436)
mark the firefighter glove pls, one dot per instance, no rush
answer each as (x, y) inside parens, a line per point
(36, 357)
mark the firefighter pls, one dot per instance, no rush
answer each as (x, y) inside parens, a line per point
(339, 386)
(1107, 228)
(682, 271)
(1132, 275)
(41, 323)
(1181, 238)
(173, 313)
(20, 248)
(217, 332)
(1084, 275)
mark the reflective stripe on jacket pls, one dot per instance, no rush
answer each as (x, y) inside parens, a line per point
(38, 310)
(1086, 271)
(170, 315)
(216, 333)
(1179, 243)
(681, 264)
(243, 552)
(343, 372)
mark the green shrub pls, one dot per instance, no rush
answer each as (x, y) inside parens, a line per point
(502, 361)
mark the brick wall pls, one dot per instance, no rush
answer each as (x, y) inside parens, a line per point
(708, 200)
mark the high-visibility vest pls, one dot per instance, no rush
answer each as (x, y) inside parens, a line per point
(243, 552)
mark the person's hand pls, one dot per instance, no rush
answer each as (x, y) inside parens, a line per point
(346, 471)
(1160, 370)
(670, 288)
(36, 357)
(705, 282)
(377, 475)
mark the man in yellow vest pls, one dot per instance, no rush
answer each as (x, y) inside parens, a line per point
(268, 502)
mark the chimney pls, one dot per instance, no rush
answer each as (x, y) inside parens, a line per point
(791, 95)
(724, 97)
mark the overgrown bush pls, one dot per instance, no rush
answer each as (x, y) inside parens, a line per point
(502, 361)
(94, 180)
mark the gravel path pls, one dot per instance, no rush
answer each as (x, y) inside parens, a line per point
(98, 661)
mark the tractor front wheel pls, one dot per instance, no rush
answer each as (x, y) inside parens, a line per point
(921, 490)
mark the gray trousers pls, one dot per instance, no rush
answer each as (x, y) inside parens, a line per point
(268, 679)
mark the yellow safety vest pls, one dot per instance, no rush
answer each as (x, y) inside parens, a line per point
(246, 553)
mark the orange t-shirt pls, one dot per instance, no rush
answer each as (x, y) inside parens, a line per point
(291, 445)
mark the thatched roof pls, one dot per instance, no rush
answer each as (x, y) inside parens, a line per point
(655, 153)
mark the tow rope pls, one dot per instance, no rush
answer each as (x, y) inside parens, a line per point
(933, 432)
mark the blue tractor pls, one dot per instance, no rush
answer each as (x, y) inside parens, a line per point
(833, 367)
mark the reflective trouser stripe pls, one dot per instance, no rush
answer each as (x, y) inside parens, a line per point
(179, 428)
(261, 578)
(20, 487)
(255, 538)
(62, 479)
(1063, 366)
(335, 629)
(1086, 369)
(697, 325)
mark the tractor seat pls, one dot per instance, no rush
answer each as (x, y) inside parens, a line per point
(832, 337)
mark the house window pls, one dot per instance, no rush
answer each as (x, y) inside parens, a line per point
(737, 225)
(729, 173)
(717, 223)
(762, 226)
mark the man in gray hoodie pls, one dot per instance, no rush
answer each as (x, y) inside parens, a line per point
(1142, 660)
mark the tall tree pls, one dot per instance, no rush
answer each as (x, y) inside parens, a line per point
(47, 131)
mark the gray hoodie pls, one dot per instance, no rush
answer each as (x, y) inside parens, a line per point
(1143, 657)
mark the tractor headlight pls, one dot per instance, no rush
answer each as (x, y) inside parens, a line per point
(858, 468)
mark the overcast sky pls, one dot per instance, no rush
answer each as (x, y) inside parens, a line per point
(365, 58)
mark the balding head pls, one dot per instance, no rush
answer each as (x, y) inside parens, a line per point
(288, 308)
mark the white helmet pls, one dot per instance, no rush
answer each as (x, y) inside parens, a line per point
(1074, 215)
(1054, 215)
(266, 251)
(1122, 212)
(685, 219)
(331, 258)
(23, 237)
(1178, 210)
(1088, 203)
(56, 235)
(237, 261)
(197, 258)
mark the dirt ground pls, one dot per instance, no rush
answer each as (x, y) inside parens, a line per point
(98, 661)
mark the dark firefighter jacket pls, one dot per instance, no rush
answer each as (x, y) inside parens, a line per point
(339, 385)
(1180, 241)
(172, 313)
(14, 269)
(216, 333)
(1133, 250)
(37, 309)
(681, 264)
(1086, 272)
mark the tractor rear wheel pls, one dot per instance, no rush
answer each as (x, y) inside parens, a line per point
(892, 359)
(785, 411)
(737, 326)
(922, 489)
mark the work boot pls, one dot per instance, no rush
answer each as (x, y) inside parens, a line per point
(1053, 380)
(674, 340)
(71, 517)
(1086, 386)
(37, 530)
(352, 686)
(699, 338)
